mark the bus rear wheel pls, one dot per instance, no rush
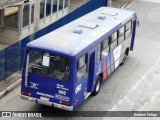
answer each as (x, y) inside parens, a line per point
(124, 56)
(97, 86)
(123, 60)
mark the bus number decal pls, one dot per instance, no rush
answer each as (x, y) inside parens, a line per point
(62, 92)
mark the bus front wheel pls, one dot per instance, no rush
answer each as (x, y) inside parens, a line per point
(97, 86)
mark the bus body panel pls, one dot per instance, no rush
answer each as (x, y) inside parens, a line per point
(41, 86)
(48, 89)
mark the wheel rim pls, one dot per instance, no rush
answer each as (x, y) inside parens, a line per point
(97, 86)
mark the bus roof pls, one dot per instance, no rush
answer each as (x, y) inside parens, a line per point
(81, 33)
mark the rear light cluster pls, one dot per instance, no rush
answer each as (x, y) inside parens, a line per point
(64, 103)
(25, 93)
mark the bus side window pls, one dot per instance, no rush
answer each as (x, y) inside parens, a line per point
(113, 43)
(121, 35)
(105, 48)
(82, 67)
(128, 29)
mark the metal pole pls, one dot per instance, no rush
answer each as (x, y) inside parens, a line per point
(109, 3)
(36, 14)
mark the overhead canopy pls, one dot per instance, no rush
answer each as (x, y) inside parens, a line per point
(8, 3)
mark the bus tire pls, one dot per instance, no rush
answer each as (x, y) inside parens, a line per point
(125, 55)
(97, 86)
(123, 60)
(127, 51)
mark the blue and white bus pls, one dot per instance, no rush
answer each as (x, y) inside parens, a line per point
(64, 67)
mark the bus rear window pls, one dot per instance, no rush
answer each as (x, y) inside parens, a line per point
(49, 65)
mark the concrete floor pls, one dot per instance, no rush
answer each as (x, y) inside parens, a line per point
(132, 87)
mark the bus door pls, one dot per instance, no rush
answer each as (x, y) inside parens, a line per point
(82, 77)
(116, 51)
(91, 71)
(117, 54)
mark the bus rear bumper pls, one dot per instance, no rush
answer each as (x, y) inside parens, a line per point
(56, 105)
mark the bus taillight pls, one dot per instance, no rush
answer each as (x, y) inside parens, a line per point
(25, 93)
(65, 103)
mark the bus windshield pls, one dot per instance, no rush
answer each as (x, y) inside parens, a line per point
(49, 65)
